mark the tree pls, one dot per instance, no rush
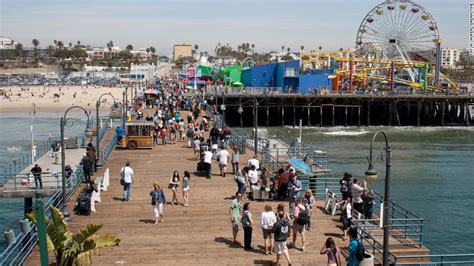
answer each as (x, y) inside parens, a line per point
(341, 49)
(51, 51)
(70, 45)
(72, 249)
(78, 42)
(302, 47)
(282, 48)
(35, 43)
(288, 49)
(60, 44)
(196, 47)
(320, 48)
(152, 50)
(110, 45)
(129, 47)
(19, 50)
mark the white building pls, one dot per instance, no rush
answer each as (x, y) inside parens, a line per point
(449, 57)
(471, 29)
(7, 43)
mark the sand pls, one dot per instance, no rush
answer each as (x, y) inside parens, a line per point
(40, 100)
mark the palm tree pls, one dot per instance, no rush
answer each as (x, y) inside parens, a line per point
(72, 249)
(35, 43)
(288, 49)
(51, 51)
(78, 42)
(70, 45)
(153, 50)
(129, 47)
(110, 45)
(320, 48)
(19, 50)
(341, 49)
(302, 47)
(282, 48)
(55, 42)
(60, 44)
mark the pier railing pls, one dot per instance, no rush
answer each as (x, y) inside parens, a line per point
(108, 148)
(9, 171)
(17, 253)
(404, 223)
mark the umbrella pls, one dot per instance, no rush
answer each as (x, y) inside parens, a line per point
(237, 83)
(151, 91)
(189, 87)
(300, 165)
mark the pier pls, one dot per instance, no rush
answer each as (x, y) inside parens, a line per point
(345, 110)
(200, 234)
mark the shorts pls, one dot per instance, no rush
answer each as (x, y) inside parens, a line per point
(298, 228)
(222, 166)
(185, 189)
(280, 247)
(235, 226)
(158, 210)
(267, 233)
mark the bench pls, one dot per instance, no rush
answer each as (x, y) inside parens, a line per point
(96, 195)
(331, 204)
(106, 182)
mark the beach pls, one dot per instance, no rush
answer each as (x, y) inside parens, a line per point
(41, 99)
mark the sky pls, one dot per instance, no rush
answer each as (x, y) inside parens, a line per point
(268, 24)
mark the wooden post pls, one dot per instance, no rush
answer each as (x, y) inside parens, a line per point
(333, 116)
(358, 114)
(321, 115)
(418, 122)
(395, 105)
(309, 116)
(368, 111)
(282, 115)
(345, 117)
(268, 115)
(443, 110)
(466, 114)
(390, 114)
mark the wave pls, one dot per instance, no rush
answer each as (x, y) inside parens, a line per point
(14, 149)
(346, 133)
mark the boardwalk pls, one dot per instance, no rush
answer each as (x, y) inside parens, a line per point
(200, 234)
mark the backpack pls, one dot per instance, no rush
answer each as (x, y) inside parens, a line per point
(303, 217)
(360, 251)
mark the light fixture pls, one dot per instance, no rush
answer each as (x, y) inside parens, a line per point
(240, 110)
(371, 174)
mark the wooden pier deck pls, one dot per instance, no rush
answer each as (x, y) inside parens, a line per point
(200, 234)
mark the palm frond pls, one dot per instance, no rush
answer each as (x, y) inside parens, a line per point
(90, 230)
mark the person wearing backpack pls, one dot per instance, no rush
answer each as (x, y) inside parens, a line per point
(356, 249)
(300, 220)
(281, 229)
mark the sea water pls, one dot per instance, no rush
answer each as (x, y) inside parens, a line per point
(432, 174)
(15, 140)
(432, 171)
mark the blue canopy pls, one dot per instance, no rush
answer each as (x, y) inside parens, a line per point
(300, 166)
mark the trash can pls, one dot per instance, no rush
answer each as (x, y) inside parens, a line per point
(368, 260)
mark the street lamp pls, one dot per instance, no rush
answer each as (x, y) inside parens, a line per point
(240, 110)
(97, 105)
(63, 156)
(371, 177)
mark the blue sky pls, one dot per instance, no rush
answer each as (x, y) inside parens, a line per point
(268, 24)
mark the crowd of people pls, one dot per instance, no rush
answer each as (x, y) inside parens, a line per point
(282, 228)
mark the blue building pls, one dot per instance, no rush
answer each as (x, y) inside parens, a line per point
(286, 75)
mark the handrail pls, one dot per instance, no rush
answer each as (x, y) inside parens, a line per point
(442, 259)
(109, 147)
(17, 253)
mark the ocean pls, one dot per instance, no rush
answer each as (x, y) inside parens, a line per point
(432, 171)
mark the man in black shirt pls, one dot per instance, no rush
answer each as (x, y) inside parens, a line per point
(36, 171)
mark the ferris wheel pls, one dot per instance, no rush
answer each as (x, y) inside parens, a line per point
(400, 30)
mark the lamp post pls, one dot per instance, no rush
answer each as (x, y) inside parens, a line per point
(223, 107)
(124, 107)
(63, 157)
(97, 139)
(371, 177)
(255, 105)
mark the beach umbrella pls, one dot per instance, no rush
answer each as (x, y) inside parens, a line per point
(151, 91)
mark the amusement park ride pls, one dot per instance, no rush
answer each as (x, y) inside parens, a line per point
(397, 45)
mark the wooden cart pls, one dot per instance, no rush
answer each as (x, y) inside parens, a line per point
(138, 135)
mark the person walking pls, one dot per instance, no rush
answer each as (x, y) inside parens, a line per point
(281, 229)
(174, 184)
(353, 248)
(235, 215)
(36, 171)
(299, 222)
(128, 179)
(208, 163)
(186, 179)
(294, 189)
(223, 160)
(235, 158)
(346, 217)
(247, 224)
(332, 251)
(267, 219)
(157, 201)
(308, 202)
(86, 167)
(190, 135)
